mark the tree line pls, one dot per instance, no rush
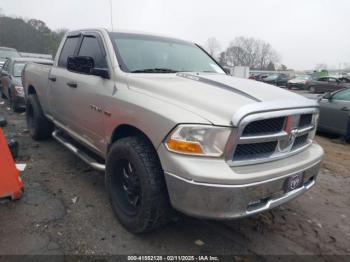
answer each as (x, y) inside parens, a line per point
(32, 36)
(245, 51)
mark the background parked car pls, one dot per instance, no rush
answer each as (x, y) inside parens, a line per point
(326, 84)
(11, 82)
(335, 113)
(6, 52)
(298, 81)
(261, 76)
(277, 79)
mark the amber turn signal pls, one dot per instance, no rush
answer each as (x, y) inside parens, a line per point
(184, 147)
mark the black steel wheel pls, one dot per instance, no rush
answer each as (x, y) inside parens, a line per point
(136, 185)
(127, 187)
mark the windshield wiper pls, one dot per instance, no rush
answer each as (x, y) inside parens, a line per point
(155, 70)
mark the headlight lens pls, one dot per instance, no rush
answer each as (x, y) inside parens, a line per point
(199, 140)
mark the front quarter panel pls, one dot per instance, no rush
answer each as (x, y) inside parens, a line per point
(152, 116)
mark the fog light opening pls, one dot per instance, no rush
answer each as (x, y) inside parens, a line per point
(256, 204)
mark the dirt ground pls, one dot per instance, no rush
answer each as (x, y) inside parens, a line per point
(65, 210)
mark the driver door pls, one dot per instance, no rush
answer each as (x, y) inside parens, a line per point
(87, 98)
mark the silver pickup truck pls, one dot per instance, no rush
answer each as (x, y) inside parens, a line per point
(170, 129)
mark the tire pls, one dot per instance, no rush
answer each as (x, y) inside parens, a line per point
(2, 94)
(12, 104)
(136, 186)
(40, 128)
(347, 136)
(312, 90)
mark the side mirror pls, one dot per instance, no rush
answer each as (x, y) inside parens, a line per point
(85, 65)
(328, 96)
(80, 64)
(102, 72)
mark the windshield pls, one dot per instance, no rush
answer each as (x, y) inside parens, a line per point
(149, 54)
(9, 54)
(17, 69)
(272, 77)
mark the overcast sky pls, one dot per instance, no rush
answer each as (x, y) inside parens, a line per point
(303, 32)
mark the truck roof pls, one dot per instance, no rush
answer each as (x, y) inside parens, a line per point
(7, 48)
(133, 32)
(32, 59)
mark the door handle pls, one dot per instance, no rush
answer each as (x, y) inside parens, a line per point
(345, 109)
(52, 78)
(72, 84)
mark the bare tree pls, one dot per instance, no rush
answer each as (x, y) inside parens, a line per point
(321, 66)
(252, 52)
(213, 46)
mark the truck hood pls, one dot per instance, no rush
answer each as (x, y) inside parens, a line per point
(214, 97)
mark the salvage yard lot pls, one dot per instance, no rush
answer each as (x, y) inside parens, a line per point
(65, 210)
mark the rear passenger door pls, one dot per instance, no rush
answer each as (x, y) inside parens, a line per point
(59, 91)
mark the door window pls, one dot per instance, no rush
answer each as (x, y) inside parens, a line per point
(67, 50)
(343, 95)
(91, 47)
(332, 80)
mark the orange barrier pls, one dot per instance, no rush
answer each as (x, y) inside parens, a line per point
(11, 184)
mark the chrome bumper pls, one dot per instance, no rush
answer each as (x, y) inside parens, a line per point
(219, 201)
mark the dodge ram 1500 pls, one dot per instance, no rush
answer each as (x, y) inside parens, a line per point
(170, 129)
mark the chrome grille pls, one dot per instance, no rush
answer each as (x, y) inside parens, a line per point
(268, 136)
(264, 126)
(305, 120)
(300, 141)
(247, 151)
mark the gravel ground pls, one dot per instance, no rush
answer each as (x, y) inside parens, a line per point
(65, 210)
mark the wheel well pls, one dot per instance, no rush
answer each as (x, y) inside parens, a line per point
(31, 90)
(123, 131)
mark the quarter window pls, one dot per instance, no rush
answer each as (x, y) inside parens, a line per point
(67, 50)
(91, 47)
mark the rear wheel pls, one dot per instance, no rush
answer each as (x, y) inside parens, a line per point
(2, 94)
(136, 186)
(312, 89)
(12, 103)
(40, 128)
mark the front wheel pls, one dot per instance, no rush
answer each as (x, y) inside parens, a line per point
(312, 89)
(136, 185)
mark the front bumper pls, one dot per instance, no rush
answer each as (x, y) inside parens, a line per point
(248, 190)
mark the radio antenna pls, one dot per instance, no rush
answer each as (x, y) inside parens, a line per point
(111, 14)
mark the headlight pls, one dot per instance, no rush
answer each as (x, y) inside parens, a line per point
(19, 90)
(199, 140)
